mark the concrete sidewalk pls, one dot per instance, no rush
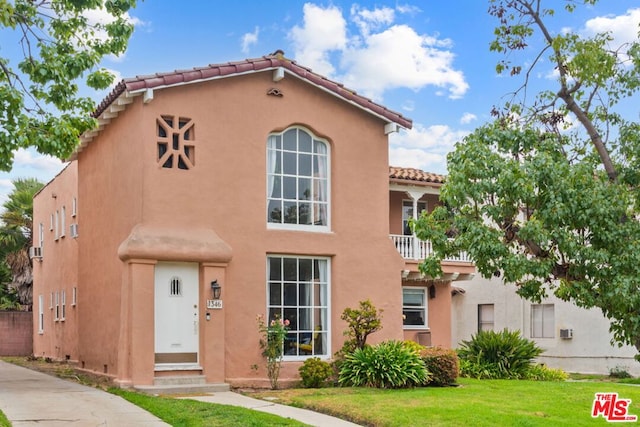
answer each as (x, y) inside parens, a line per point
(303, 415)
(30, 398)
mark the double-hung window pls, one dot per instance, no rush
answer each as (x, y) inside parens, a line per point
(414, 308)
(298, 291)
(40, 314)
(485, 317)
(297, 181)
(542, 321)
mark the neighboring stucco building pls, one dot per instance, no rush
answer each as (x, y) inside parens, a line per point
(258, 178)
(574, 339)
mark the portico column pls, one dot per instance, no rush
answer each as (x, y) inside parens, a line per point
(136, 344)
(415, 195)
(213, 334)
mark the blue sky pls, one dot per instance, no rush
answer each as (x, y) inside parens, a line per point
(428, 60)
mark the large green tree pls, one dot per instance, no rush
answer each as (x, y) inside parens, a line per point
(60, 48)
(548, 195)
(16, 237)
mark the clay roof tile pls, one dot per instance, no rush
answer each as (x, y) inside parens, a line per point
(274, 60)
(412, 174)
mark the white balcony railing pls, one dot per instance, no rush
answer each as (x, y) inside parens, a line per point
(410, 247)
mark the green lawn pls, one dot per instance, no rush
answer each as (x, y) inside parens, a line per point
(474, 403)
(184, 412)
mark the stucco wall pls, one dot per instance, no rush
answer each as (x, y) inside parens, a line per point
(56, 272)
(123, 185)
(16, 333)
(589, 351)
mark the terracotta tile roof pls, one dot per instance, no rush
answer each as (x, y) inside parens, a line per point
(411, 174)
(268, 62)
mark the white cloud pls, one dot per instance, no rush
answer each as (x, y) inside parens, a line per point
(378, 55)
(323, 31)
(102, 17)
(417, 158)
(37, 163)
(116, 79)
(468, 118)
(408, 9)
(400, 57)
(623, 28)
(249, 39)
(408, 105)
(367, 19)
(424, 147)
(28, 164)
(6, 187)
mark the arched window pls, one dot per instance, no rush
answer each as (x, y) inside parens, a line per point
(297, 181)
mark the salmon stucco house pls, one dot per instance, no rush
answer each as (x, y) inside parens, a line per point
(212, 195)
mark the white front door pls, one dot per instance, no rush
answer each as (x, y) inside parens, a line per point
(176, 313)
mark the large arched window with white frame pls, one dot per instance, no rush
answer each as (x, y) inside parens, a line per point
(297, 180)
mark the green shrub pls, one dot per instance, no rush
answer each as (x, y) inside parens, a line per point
(619, 372)
(542, 373)
(387, 365)
(362, 322)
(348, 347)
(315, 372)
(492, 354)
(477, 370)
(442, 364)
(414, 346)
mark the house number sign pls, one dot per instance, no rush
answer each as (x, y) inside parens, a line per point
(214, 304)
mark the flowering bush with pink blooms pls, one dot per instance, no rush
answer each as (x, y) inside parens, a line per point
(272, 337)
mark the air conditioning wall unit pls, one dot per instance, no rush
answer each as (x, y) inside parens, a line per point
(35, 252)
(73, 230)
(566, 334)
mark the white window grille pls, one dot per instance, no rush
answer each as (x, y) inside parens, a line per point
(298, 292)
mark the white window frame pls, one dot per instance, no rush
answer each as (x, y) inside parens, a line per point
(74, 207)
(40, 314)
(546, 312)
(41, 237)
(56, 313)
(483, 322)
(406, 202)
(63, 221)
(56, 232)
(282, 307)
(63, 304)
(74, 296)
(272, 150)
(425, 308)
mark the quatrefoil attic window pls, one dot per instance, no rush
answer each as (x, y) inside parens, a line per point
(176, 142)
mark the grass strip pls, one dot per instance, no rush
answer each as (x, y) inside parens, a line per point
(186, 412)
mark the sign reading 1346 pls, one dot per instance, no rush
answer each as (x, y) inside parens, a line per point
(214, 304)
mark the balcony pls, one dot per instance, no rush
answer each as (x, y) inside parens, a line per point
(411, 248)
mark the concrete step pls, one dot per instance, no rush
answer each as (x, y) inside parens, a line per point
(180, 380)
(182, 388)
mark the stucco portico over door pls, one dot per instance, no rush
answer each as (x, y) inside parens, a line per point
(153, 255)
